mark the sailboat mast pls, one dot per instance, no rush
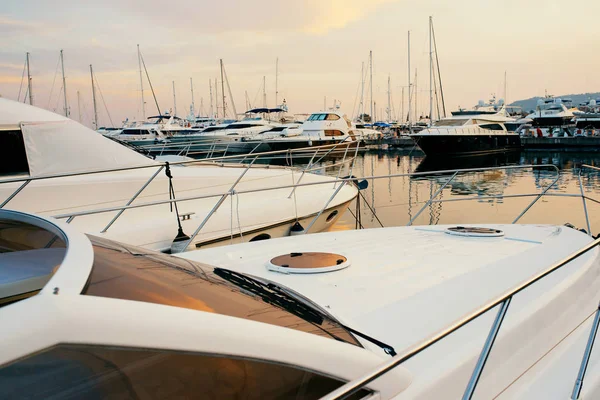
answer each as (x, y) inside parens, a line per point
(277, 82)
(217, 97)
(371, 73)
(174, 100)
(409, 87)
(211, 98)
(361, 108)
(62, 62)
(389, 110)
(416, 95)
(141, 83)
(430, 73)
(264, 91)
(402, 113)
(94, 98)
(193, 103)
(230, 94)
(29, 81)
(223, 89)
(437, 62)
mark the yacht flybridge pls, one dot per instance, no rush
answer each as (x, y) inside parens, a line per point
(468, 135)
(56, 167)
(471, 311)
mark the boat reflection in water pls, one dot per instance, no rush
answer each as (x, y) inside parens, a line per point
(434, 164)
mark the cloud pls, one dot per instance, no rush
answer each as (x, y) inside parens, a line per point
(337, 14)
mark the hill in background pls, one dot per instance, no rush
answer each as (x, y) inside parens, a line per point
(530, 104)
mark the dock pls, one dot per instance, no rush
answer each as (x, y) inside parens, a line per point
(568, 143)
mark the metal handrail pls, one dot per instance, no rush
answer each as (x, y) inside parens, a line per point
(263, 189)
(504, 299)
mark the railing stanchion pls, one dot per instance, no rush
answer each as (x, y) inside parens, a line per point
(587, 218)
(537, 198)
(324, 207)
(428, 203)
(16, 192)
(133, 199)
(219, 203)
(487, 348)
(586, 356)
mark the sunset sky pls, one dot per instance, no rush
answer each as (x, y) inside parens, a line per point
(542, 45)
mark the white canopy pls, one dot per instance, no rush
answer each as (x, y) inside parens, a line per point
(55, 144)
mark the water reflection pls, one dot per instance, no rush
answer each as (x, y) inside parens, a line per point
(397, 200)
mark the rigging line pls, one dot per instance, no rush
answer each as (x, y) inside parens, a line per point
(57, 99)
(437, 61)
(22, 79)
(26, 93)
(150, 82)
(103, 102)
(237, 207)
(355, 98)
(53, 81)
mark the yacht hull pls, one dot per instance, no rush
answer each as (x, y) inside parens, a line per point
(465, 145)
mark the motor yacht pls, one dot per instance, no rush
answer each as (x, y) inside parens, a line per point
(54, 166)
(156, 129)
(468, 135)
(309, 316)
(321, 128)
(552, 113)
(588, 120)
(482, 108)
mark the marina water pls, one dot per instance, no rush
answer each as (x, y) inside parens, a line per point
(397, 200)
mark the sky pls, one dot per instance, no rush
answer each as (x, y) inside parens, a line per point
(542, 45)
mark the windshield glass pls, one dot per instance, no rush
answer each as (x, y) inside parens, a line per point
(450, 122)
(131, 273)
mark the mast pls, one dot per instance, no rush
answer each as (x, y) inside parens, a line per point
(223, 89)
(409, 88)
(193, 103)
(389, 106)
(371, 73)
(212, 115)
(29, 81)
(230, 94)
(416, 94)
(430, 73)
(217, 98)
(361, 107)
(94, 98)
(79, 106)
(402, 113)
(141, 83)
(277, 82)
(437, 61)
(247, 101)
(505, 96)
(174, 101)
(62, 62)
(264, 91)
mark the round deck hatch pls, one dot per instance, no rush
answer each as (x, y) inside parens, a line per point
(308, 263)
(474, 231)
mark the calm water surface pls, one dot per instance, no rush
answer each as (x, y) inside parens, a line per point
(397, 200)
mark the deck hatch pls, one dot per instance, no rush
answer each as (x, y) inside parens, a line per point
(474, 231)
(308, 263)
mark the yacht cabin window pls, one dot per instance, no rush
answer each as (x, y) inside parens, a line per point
(332, 117)
(493, 127)
(450, 122)
(333, 132)
(13, 158)
(136, 132)
(318, 117)
(98, 372)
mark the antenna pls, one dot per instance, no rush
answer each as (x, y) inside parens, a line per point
(29, 81)
(62, 61)
(94, 98)
(141, 83)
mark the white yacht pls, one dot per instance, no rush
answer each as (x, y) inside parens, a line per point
(552, 113)
(468, 135)
(588, 120)
(321, 128)
(156, 129)
(373, 311)
(492, 106)
(56, 167)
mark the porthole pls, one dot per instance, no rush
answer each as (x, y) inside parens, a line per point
(331, 216)
(262, 236)
(474, 231)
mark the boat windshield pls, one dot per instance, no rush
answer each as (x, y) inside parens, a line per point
(125, 272)
(450, 122)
